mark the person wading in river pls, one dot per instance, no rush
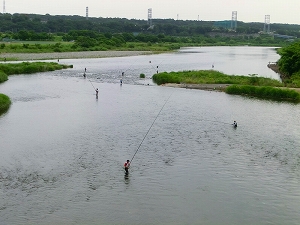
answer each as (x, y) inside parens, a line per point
(234, 124)
(126, 166)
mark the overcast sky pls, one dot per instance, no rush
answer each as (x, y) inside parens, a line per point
(280, 11)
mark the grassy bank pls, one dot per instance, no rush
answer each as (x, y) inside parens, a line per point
(264, 92)
(28, 68)
(4, 103)
(54, 47)
(23, 68)
(212, 77)
(3, 77)
(259, 87)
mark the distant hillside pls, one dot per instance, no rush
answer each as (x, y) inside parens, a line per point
(63, 24)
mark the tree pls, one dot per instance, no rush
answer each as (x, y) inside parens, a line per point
(289, 62)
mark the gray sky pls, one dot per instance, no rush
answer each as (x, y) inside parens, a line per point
(280, 11)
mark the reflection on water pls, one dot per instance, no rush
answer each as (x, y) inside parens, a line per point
(62, 149)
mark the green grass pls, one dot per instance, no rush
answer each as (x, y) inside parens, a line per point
(28, 68)
(61, 46)
(264, 92)
(4, 103)
(252, 85)
(3, 77)
(212, 77)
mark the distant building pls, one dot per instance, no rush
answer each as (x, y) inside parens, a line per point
(284, 36)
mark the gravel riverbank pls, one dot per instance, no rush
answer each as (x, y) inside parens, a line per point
(71, 55)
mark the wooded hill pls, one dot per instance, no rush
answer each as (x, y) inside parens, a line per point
(13, 23)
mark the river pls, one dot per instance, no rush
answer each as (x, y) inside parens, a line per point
(63, 149)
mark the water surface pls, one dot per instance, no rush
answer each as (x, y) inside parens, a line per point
(63, 150)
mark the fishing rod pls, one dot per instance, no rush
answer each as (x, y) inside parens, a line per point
(92, 85)
(156, 68)
(150, 127)
(215, 121)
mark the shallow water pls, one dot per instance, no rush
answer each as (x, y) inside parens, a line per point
(63, 149)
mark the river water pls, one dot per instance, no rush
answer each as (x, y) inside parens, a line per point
(62, 149)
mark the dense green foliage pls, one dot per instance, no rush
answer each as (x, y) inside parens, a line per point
(46, 33)
(264, 92)
(4, 103)
(211, 77)
(64, 24)
(3, 76)
(289, 64)
(84, 40)
(28, 68)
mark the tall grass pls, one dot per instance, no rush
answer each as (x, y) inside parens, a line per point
(4, 103)
(3, 77)
(211, 77)
(28, 68)
(264, 92)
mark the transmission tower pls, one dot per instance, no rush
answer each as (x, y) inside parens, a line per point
(234, 20)
(87, 13)
(150, 17)
(4, 6)
(267, 24)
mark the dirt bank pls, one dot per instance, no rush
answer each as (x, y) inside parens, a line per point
(71, 55)
(208, 87)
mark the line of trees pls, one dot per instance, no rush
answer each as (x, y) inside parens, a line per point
(63, 24)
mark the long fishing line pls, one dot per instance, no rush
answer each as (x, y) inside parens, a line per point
(92, 85)
(215, 121)
(150, 127)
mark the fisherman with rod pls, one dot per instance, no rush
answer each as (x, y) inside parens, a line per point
(128, 162)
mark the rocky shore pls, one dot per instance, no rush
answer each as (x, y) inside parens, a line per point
(71, 55)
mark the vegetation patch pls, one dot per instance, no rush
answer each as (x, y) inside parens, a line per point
(289, 64)
(264, 92)
(4, 103)
(3, 77)
(252, 85)
(28, 68)
(212, 77)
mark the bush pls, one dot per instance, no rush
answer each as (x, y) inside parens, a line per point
(4, 103)
(264, 92)
(142, 75)
(3, 77)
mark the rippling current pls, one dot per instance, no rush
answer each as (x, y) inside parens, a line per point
(63, 150)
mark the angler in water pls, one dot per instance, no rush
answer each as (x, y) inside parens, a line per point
(126, 166)
(234, 124)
